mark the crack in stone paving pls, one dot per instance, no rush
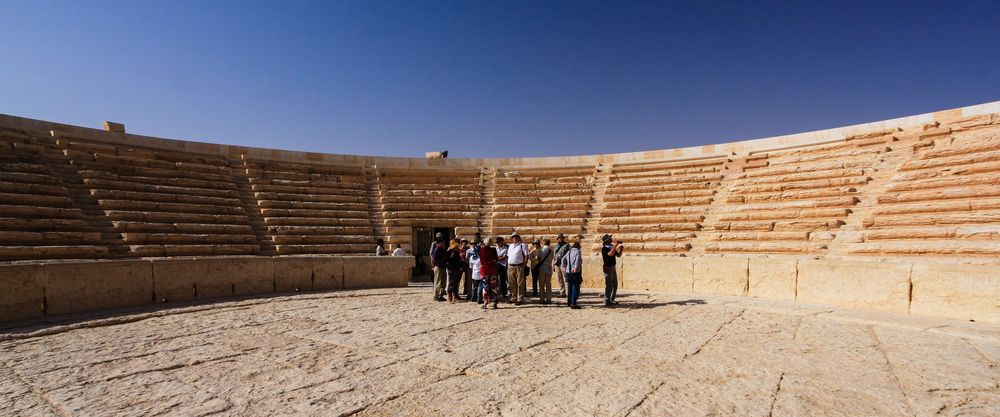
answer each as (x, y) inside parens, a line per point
(169, 367)
(686, 356)
(774, 396)
(709, 340)
(891, 368)
(54, 407)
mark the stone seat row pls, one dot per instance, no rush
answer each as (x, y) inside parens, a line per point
(658, 206)
(542, 202)
(942, 202)
(165, 203)
(779, 200)
(328, 215)
(38, 219)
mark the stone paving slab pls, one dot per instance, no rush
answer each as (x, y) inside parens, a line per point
(396, 353)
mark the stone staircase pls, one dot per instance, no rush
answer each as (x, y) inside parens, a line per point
(252, 210)
(93, 214)
(375, 209)
(600, 185)
(487, 188)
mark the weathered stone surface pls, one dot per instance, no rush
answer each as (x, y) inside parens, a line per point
(377, 271)
(773, 278)
(210, 278)
(658, 273)
(328, 272)
(964, 292)
(253, 275)
(395, 352)
(293, 273)
(22, 292)
(882, 286)
(76, 287)
(173, 279)
(725, 276)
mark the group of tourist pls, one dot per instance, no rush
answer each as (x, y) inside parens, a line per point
(488, 272)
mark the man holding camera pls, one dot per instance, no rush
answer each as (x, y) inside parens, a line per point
(611, 249)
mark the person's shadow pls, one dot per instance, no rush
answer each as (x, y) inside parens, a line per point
(692, 301)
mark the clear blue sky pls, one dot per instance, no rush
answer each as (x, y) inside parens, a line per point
(490, 79)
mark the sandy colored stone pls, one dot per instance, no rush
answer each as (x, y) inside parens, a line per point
(658, 273)
(293, 273)
(772, 278)
(22, 292)
(964, 292)
(725, 276)
(882, 286)
(328, 272)
(77, 287)
(377, 271)
(395, 352)
(253, 275)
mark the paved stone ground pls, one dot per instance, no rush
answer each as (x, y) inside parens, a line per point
(396, 352)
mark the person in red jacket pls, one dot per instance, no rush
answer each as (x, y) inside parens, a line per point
(488, 268)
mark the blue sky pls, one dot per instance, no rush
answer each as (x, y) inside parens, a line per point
(491, 79)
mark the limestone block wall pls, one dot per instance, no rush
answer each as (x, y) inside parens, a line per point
(37, 290)
(902, 202)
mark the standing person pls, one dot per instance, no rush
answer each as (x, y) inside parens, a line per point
(488, 269)
(475, 268)
(467, 277)
(454, 265)
(533, 266)
(517, 257)
(439, 255)
(544, 271)
(502, 267)
(572, 266)
(610, 251)
(562, 248)
(399, 251)
(380, 248)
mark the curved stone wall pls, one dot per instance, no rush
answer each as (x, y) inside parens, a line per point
(901, 215)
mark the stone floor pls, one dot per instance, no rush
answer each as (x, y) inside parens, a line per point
(396, 352)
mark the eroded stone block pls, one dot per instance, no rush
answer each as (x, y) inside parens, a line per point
(772, 278)
(253, 275)
(377, 272)
(21, 292)
(328, 272)
(964, 292)
(293, 273)
(658, 273)
(882, 286)
(726, 276)
(78, 286)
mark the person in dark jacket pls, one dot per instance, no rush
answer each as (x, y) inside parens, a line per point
(439, 255)
(455, 268)
(488, 268)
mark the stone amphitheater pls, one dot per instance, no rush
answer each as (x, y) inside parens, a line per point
(852, 271)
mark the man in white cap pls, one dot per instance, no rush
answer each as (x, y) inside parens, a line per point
(517, 256)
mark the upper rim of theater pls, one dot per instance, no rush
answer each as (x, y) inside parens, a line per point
(694, 152)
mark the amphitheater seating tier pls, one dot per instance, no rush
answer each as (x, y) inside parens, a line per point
(943, 201)
(924, 189)
(794, 200)
(658, 207)
(164, 203)
(38, 218)
(312, 208)
(542, 202)
(430, 198)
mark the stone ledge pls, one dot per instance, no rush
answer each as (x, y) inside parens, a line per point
(39, 289)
